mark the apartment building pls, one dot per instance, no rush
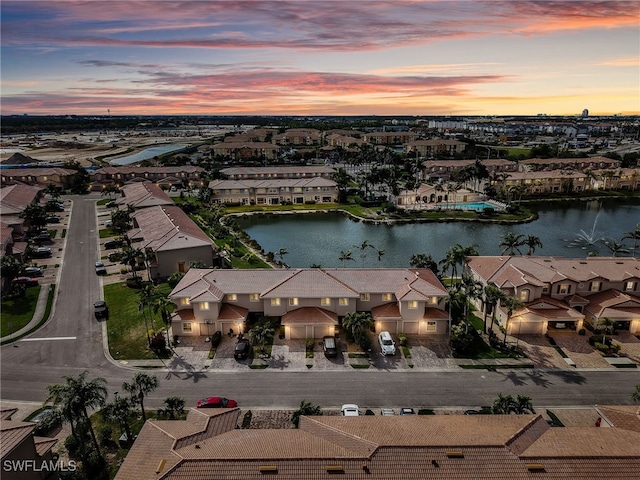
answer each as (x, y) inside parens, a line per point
(143, 194)
(435, 146)
(436, 196)
(444, 169)
(239, 151)
(390, 138)
(180, 176)
(580, 164)
(262, 173)
(298, 137)
(43, 176)
(309, 302)
(274, 191)
(563, 292)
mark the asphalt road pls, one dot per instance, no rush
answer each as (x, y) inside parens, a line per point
(71, 342)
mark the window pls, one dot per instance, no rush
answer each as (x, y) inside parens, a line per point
(524, 295)
(293, 301)
(232, 297)
(325, 301)
(629, 286)
(434, 300)
(186, 327)
(185, 301)
(595, 286)
(365, 297)
(387, 297)
(546, 288)
(344, 302)
(413, 304)
(254, 297)
(204, 306)
(275, 302)
(564, 288)
(431, 326)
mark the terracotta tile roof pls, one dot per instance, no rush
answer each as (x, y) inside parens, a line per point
(277, 170)
(626, 417)
(271, 183)
(165, 228)
(308, 315)
(44, 444)
(310, 283)
(15, 198)
(184, 314)
(232, 312)
(612, 303)
(585, 442)
(431, 313)
(7, 413)
(36, 172)
(388, 310)
(549, 307)
(143, 170)
(13, 434)
(143, 194)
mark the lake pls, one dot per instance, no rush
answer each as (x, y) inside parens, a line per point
(319, 238)
(146, 154)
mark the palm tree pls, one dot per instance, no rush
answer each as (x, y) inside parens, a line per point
(512, 304)
(120, 411)
(261, 333)
(110, 189)
(503, 404)
(423, 260)
(357, 323)
(74, 399)
(141, 385)
(616, 248)
(472, 291)
(146, 297)
(511, 243)
(450, 261)
(175, 406)
(346, 255)
(10, 268)
(532, 242)
(147, 255)
(307, 409)
(281, 253)
(492, 295)
(635, 236)
(362, 247)
(130, 258)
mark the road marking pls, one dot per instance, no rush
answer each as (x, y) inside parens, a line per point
(46, 338)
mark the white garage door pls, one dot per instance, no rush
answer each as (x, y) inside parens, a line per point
(390, 326)
(320, 331)
(298, 331)
(410, 327)
(528, 328)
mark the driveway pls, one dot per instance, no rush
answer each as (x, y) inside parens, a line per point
(541, 352)
(430, 351)
(578, 349)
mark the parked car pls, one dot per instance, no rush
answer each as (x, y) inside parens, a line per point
(53, 206)
(100, 309)
(53, 219)
(350, 410)
(111, 204)
(243, 347)
(33, 272)
(329, 346)
(100, 269)
(41, 252)
(42, 237)
(387, 412)
(108, 224)
(387, 345)
(110, 244)
(27, 281)
(472, 412)
(407, 411)
(216, 402)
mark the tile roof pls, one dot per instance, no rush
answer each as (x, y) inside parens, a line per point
(165, 228)
(387, 310)
(44, 444)
(143, 170)
(15, 198)
(612, 303)
(308, 315)
(7, 413)
(309, 283)
(626, 417)
(271, 183)
(283, 170)
(143, 194)
(585, 442)
(232, 312)
(13, 434)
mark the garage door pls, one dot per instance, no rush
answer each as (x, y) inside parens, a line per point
(226, 326)
(526, 328)
(390, 326)
(298, 331)
(320, 331)
(410, 327)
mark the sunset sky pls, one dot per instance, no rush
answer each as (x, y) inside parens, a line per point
(348, 57)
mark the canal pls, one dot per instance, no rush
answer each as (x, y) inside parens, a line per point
(318, 238)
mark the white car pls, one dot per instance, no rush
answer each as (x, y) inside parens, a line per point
(387, 412)
(387, 345)
(349, 410)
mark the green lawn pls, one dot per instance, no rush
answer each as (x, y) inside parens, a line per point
(18, 311)
(105, 233)
(104, 201)
(126, 325)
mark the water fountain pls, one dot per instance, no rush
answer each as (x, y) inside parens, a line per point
(585, 240)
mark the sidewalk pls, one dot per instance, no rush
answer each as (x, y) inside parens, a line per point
(38, 313)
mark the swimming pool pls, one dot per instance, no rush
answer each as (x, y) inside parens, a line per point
(467, 206)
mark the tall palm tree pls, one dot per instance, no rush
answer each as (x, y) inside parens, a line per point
(10, 268)
(141, 385)
(120, 412)
(346, 255)
(511, 243)
(512, 304)
(532, 242)
(75, 398)
(635, 236)
(472, 291)
(261, 333)
(363, 247)
(450, 261)
(492, 295)
(423, 260)
(281, 253)
(357, 323)
(130, 259)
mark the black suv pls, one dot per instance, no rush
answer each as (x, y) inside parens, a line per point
(243, 347)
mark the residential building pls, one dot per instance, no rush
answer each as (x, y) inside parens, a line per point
(436, 196)
(344, 141)
(209, 445)
(180, 176)
(274, 191)
(15, 198)
(444, 169)
(175, 239)
(390, 138)
(580, 164)
(24, 456)
(435, 146)
(298, 137)
(309, 302)
(43, 176)
(246, 150)
(142, 195)
(563, 291)
(264, 173)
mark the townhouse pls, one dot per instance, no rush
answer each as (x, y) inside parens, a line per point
(309, 302)
(43, 176)
(298, 137)
(175, 240)
(580, 164)
(239, 151)
(390, 138)
(274, 191)
(444, 169)
(436, 196)
(143, 194)
(208, 444)
(262, 173)
(563, 292)
(187, 175)
(435, 146)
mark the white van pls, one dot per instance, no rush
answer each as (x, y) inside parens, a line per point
(386, 343)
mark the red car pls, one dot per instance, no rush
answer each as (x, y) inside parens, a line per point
(28, 281)
(216, 402)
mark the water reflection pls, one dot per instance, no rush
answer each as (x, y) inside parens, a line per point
(319, 238)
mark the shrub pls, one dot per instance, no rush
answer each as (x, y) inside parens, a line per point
(104, 435)
(402, 338)
(582, 331)
(364, 343)
(605, 340)
(309, 342)
(310, 202)
(134, 282)
(174, 279)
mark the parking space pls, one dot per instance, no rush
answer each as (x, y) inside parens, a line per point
(578, 349)
(541, 353)
(430, 351)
